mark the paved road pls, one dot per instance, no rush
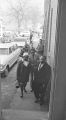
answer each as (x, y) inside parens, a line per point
(8, 87)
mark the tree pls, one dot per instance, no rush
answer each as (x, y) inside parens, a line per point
(33, 14)
(16, 12)
(21, 13)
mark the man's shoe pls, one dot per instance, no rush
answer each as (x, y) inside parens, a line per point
(25, 90)
(21, 96)
(41, 103)
(31, 91)
(36, 101)
(17, 86)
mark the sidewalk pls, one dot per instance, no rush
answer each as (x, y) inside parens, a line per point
(25, 108)
(27, 102)
(24, 115)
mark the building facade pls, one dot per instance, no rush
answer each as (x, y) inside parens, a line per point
(55, 47)
(50, 24)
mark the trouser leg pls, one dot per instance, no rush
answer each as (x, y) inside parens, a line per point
(36, 90)
(42, 98)
(31, 83)
(17, 84)
(22, 91)
(21, 86)
(25, 86)
(36, 93)
(42, 94)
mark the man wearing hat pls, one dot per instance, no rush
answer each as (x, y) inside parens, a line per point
(23, 71)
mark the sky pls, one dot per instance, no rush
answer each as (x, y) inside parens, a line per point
(39, 3)
(4, 6)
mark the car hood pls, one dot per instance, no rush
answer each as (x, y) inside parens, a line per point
(20, 43)
(3, 59)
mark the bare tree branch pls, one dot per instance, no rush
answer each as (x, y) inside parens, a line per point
(17, 12)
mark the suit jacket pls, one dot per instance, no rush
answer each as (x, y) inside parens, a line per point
(44, 74)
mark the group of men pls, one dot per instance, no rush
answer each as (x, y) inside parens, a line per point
(40, 74)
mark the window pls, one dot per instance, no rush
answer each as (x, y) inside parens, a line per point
(19, 39)
(4, 51)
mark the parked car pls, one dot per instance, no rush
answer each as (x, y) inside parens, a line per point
(25, 34)
(20, 41)
(9, 53)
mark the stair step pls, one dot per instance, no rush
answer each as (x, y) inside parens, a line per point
(12, 114)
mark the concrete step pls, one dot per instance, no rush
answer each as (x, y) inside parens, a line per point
(11, 114)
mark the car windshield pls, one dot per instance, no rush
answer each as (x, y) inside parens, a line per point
(3, 51)
(19, 40)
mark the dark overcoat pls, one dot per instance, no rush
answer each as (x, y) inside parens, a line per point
(42, 77)
(44, 74)
(23, 72)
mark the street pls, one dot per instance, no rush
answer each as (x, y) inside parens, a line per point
(8, 88)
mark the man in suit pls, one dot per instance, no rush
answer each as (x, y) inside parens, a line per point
(42, 78)
(33, 57)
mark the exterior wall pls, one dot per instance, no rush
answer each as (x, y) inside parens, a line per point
(0, 102)
(50, 18)
(56, 57)
(59, 96)
(46, 24)
(50, 40)
(51, 46)
(52, 32)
